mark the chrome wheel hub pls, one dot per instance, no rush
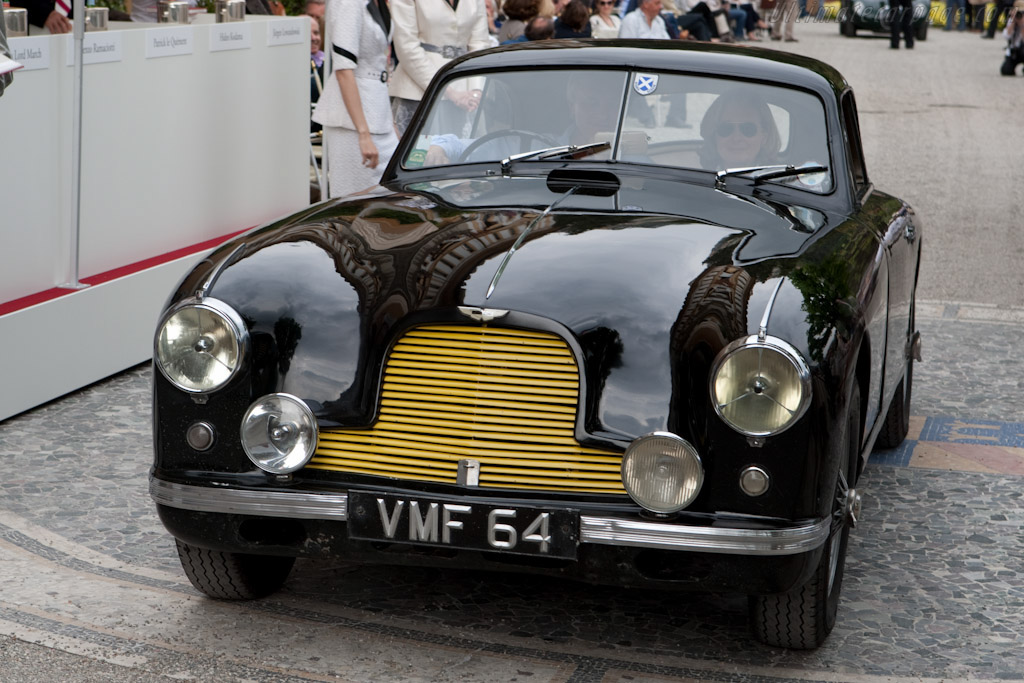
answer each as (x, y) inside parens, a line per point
(852, 508)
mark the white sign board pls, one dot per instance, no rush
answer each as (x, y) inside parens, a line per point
(33, 53)
(169, 42)
(287, 32)
(97, 47)
(234, 35)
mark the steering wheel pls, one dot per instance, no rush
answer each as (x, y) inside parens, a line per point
(523, 135)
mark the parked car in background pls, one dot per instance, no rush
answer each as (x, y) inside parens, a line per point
(635, 316)
(874, 15)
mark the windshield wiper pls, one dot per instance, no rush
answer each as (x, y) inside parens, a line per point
(571, 151)
(765, 173)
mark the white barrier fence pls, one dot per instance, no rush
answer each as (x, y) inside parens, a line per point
(189, 134)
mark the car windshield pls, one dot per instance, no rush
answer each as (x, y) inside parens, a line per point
(661, 119)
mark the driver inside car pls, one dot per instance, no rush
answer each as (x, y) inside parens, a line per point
(593, 109)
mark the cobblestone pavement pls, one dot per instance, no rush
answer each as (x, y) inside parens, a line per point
(934, 587)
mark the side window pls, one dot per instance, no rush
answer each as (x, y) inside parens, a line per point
(854, 152)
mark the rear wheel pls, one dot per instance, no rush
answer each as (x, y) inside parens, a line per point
(802, 618)
(233, 576)
(921, 30)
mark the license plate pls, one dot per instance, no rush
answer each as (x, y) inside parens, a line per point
(455, 523)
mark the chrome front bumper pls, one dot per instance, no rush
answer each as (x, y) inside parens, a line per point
(593, 529)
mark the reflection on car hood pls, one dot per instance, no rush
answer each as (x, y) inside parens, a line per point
(620, 276)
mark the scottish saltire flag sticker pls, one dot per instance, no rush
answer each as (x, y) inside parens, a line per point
(645, 84)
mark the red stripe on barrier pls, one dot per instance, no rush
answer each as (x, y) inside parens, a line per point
(123, 271)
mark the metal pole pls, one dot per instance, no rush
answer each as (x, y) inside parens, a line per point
(325, 166)
(76, 148)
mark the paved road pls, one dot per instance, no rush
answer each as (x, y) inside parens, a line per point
(941, 129)
(92, 590)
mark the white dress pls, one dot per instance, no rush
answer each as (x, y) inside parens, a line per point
(360, 36)
(599, 29)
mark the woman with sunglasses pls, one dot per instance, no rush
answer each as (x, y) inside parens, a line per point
(739, 131)
(604, 22)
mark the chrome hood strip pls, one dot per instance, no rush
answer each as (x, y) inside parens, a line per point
(762, 330)
(593, 529)
(519, 241)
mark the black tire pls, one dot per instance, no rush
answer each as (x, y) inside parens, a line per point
(921, 30)
(897, 419)
(233, 576)
(848, 28)
(802, 618)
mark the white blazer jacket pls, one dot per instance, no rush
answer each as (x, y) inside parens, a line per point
(429, 33)
(360, 39)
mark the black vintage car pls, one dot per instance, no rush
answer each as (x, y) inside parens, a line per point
(632, 313)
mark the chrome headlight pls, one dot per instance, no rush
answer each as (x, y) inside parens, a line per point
(200, 345)
(662, 472)
(279, 433)
(760, 387)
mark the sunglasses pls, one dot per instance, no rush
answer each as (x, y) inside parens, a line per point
(609, 2)
(726, 129)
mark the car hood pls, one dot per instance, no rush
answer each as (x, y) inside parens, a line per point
(633, 285)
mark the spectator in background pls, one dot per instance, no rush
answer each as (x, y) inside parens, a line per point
(5, 79)
(709, 10)
(53, 15)
(354, 109)
(554, 8)
(574, 21)
(975, 12)
(604, 23)
(1014, 33)
(1002, 7)
(317, 9)
(492, 21)
(951, 9)
(316, 68)
(517, 13)
(275, 7)
(644, 22)
(541, 27)
(688, 25)
(901, 18)
(752, 22)
(783, 18)
(429, 33)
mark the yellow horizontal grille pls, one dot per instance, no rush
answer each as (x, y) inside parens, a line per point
(505, 398)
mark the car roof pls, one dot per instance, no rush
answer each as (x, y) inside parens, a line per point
(711, 59)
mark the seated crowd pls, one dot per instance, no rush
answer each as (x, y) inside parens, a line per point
(708, 20)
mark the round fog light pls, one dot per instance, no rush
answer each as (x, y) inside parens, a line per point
(279, 433)
(754, 481)
(662, 472)
(199, 436)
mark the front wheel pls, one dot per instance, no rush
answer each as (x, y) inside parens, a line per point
(233, 576)
(921, 31)
(802, 618)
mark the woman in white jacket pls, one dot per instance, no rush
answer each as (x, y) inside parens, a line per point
(429, 33)
(354, 109)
